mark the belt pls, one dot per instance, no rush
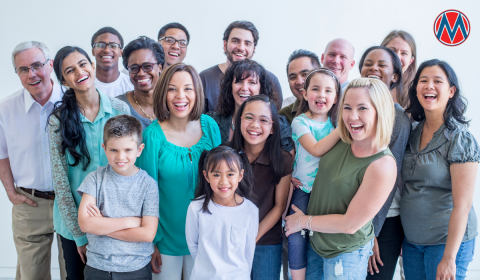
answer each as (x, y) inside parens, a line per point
(34, 192)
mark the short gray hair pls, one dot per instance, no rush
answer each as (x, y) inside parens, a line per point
(28, 45)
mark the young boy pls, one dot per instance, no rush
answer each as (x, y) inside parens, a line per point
(119, 207)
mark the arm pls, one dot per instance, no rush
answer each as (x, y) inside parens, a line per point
(275, 214)
(319, 148)
(463, 184)
(366, 203)
(63, 193)
(6, 177)
(98, 225)
(191, 230)
(144, 233)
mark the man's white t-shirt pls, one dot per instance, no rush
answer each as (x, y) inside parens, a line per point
(120, 86)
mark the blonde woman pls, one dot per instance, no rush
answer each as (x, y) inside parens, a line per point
(349, 189)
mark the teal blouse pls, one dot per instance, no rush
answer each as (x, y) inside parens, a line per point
(67, 179)
(175, 169)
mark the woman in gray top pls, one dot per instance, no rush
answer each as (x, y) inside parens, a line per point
(439, 171)
(143, 58)
(382, 63)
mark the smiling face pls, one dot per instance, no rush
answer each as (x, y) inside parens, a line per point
(256, 123)
(244, 89)
(378, 64)
(181, 95)
(107, 58)
(338, 57)
(144, 81)
(321, 94)
(122, 153)
(359, 115)
(37, 83)
(403, 50)
(173, 53)
(240, 45)
(77, 72)
(298, 71)
(224, 182)
(433, 89)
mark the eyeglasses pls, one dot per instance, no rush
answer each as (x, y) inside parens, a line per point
(146, 67)
(22, 71)
(102, 45)
(171, 41)
(261, 120)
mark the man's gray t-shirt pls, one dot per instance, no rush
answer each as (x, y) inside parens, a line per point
(144, 121)
(117, 197)
(211, 78)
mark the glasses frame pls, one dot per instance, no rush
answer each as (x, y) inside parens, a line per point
(106, 44)
(255, 119)
(40, 67)
(181, 40)
(142, 67)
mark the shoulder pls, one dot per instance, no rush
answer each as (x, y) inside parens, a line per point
(286, 109)
(123, 97)
(210, 71)
(463, 145)
(12, 101)
(120, 106)
(385, 165)
(287, 159)
(196, 205)
(208, 121)
(283, 121)
(153, 131)
(250, 205)
(272, 76)
(215, 115)
(401, 117)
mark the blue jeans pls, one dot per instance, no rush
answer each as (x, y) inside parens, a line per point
(421, 261)
(267, 262)
(351, 266)
(298, 244)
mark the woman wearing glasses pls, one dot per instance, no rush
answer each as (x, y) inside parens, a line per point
(143, 58)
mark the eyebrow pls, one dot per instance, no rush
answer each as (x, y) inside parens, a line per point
(235, 38)
(36, 62)
(184, 85)
(260, 115)
(303, 71)
(439, 77)
(378, 61)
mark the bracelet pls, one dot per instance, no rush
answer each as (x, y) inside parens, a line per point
(309, 223)
(299, 220)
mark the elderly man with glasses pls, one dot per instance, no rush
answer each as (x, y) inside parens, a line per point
(107, 48)
(25, 167)
(174, 39)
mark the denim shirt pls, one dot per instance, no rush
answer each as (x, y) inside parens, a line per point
(224, 126)
(427, 202)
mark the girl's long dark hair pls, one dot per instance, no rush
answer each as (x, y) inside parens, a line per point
(68, 113)
(209, 160)
(239, 71)
(456, 106)
(273, 143)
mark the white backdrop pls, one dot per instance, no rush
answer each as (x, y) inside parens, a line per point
(284, 26)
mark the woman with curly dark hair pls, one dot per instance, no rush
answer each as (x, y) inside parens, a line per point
(241, 81)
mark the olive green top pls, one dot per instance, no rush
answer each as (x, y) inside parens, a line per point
(339, 175)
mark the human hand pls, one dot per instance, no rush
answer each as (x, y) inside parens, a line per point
(296, 183)
(372, 261)
(292, 222)
(18, 199)
(446, 269)
(156, 261)
(82, 251)
(93, 211)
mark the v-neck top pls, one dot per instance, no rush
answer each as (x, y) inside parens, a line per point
(427, 202)
(175, 169)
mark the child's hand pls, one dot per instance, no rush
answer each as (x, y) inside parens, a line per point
(156, 261)
(93, 211)
(296, 183)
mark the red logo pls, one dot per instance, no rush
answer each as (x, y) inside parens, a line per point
(451, 28)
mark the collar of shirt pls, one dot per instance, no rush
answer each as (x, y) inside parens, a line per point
(295, 107)
(105, 108)
(263, 158)
(54, 97)
(440, 136)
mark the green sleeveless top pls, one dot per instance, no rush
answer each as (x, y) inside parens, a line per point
(340, 173)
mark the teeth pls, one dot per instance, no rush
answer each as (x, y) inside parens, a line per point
(107, 56)
(429, 95)
(253, 133)
(373, 76)
(144, 80)
(356, 125)
(181, 104)
(35, 83)
(301, 90)
(239, 54)
(174, 54)
(244, 95)
(82, 79)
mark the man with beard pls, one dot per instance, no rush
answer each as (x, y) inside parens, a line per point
(239, 42)
(338, 57)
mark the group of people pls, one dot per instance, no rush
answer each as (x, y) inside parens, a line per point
(212, 175)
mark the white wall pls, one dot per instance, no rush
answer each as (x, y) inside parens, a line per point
(284, 27)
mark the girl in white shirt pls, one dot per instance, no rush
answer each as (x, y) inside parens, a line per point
(222, 223)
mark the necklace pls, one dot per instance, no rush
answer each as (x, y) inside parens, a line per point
(141, 107)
